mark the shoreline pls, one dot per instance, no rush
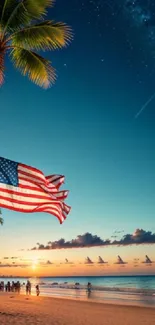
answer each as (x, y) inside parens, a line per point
(23, 310)
(108, 302)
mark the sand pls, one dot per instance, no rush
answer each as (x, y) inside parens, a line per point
(52, 311)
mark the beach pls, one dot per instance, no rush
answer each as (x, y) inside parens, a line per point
(23, 310)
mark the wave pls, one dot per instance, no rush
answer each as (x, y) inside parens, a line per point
(78, 286)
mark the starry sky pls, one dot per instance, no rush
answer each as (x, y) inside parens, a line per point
(96, 126)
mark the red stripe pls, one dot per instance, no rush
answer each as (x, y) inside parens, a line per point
(29, 211)
(62, 196)
(58, 177)
(64, 216)
(29, 203)
(38, 186)
(45, 189)
(49, 193)
(25, 194)
(66, 208)
(32, 169)
(31, 176)
(34, 188)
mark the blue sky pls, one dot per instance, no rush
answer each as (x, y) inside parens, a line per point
(84, 127)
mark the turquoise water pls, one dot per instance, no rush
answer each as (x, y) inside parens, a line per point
(133, 290)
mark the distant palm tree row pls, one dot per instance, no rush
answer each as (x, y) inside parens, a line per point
(24, 33)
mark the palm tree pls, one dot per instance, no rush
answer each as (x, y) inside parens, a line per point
(1, 219)
(24, 32)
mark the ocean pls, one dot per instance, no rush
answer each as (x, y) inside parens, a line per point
(135, 290)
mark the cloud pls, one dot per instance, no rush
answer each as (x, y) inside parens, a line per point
(13, 265)
(139, 237)
(14, 258)
(49, 263)
(11, 258)
(86, 240)
(68, 262)
(148, 261)
(88, 261)
(46, 263)
(31, 260)
(120, 261)
(101, 261)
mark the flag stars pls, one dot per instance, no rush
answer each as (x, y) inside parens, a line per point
(8, 172)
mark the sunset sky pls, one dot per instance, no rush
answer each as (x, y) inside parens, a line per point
(84, 127)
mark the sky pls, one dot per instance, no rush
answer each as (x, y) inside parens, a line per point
(96, 126)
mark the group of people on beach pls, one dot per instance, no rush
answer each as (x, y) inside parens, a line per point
(28, 288)
(10, 287)
(16, 287)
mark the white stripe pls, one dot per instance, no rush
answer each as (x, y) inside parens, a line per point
(59, 181)
(47, 189)
(31, 172)
(28, 183)
(26, 207)
(62, 193)
(53, 179)
(66, 208)
(51, 186)
(29, 199)
(30, 178)
(39, 187)
(26, 191)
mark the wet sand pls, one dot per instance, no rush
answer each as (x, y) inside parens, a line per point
(34, 310)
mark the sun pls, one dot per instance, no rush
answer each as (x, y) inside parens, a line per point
(34, 264)
(33, 267)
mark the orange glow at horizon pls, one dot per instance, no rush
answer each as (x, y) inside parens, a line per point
(36, 269)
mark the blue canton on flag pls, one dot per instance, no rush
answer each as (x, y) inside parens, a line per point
(8, 172)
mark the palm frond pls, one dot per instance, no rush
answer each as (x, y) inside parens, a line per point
(43, 36)
(34, 66)
(38, 8)
(3, 5)
(16, 14)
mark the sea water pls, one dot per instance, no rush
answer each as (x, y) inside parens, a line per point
(134, 290)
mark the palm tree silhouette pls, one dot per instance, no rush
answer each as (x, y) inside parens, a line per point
(1, 219)
(24, 32)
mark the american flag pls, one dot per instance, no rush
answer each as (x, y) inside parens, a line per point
(27, 189)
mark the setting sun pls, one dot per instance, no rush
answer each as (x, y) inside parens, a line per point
(34, 263)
